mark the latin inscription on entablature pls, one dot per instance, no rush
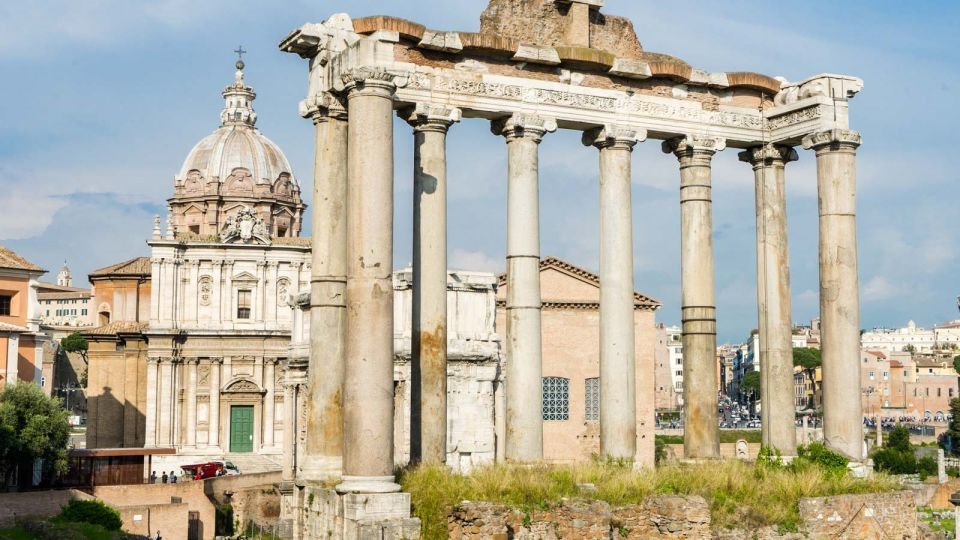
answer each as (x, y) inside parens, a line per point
(627, 104)
(795, 117)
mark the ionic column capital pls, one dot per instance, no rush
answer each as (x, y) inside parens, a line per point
(833, 139)
(323, 108)
(366, 80)
(694, 146)
(429, 117)
(614, 136)
(768, 154)
(523, 126)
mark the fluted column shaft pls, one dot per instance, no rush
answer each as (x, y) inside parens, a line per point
(191, 402)
(368, 377)
(524, 371)
(836, 152)
(166, 398)
(618, 403)
(323, 457)
(213, 422)
(269, 402)
(150, 436)
(773, 297)
(701, 436)
(428, 396)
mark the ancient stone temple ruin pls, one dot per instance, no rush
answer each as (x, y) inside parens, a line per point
(534, 67)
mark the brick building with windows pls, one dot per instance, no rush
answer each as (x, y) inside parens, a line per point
(571, 361)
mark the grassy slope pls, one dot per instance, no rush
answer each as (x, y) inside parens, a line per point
(739, 494)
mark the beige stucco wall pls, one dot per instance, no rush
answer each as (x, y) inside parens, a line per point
(571, 349)
(116, 393)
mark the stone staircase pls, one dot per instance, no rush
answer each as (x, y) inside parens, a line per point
(250, 463)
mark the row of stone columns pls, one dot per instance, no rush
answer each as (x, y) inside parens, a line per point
(352, 311)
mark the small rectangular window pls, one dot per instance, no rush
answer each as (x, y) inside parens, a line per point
(243, 304)
(592, 399)
(5, 304)
(83, 312)
(871, 375)
(195, 229)
(556, 398)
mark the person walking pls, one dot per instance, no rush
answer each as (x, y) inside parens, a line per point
(164, 478)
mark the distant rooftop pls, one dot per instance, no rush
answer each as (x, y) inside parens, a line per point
(9, 259)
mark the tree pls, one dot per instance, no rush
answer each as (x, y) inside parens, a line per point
(76, 343)
(956, 364)
(909, 348)
(809, 360)
(32, 426)
(952, 435)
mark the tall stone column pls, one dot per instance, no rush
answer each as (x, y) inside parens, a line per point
(269, 401)
(701, 435)
(289, 431)
(191, 435)
(213, 418)
(836, 152)
(368, 374)
(524, 370)
(428, 377)
(323, 453)
(773, 296)
(618, 403)
(150, 436)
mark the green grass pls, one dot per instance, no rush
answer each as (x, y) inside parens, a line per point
(726, 436)
(86, 530)
(740, 495)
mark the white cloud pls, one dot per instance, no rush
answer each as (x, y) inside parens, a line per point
(462, 259)
(26, 214)
(879, 288)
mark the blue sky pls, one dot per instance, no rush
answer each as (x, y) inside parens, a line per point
(102, 100)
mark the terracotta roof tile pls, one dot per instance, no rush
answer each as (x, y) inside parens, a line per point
(117, 327)
(9, 259)
(139, 266)
(7, 327)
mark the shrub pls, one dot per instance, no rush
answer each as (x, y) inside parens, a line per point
(660, 450)
(926, 467)
(899, 439)
(894, 461)
(93, 512)
(953, 472)
(819, 454)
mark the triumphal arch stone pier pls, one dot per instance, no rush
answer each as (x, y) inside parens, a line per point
(534, 67)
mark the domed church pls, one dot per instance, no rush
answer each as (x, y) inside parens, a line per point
(204, 352)
(233, 168)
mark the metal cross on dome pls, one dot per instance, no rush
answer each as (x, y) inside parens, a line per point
(240, 52)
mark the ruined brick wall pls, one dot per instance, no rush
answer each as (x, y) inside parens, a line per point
(871, 516)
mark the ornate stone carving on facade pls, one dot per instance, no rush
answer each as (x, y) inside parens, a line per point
(203, 375)
(206, 290)
(245, 227)
(283, 288)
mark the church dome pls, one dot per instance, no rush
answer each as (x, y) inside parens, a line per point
(236, 170)
(237, 144)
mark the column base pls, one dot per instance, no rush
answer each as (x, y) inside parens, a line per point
(327, 514)
(320, 469)
(368, 484)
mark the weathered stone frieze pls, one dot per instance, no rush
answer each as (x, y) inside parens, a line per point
(626, 104)
(795, 117)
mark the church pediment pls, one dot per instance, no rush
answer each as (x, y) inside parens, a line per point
(242, 386)
(244, 276)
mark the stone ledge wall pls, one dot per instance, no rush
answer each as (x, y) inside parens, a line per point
(871, 516)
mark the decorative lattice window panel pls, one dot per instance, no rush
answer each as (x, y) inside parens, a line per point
(556, 398)
(592, 400)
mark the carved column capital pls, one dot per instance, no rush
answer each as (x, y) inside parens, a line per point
(370, 80)
(768, 154)
(614, 136)
(429, 117)
(323, 107)
(215, 360)
(833, 140)
(523, 126)
(691, 146)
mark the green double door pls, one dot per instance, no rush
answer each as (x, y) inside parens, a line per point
(241, 428)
